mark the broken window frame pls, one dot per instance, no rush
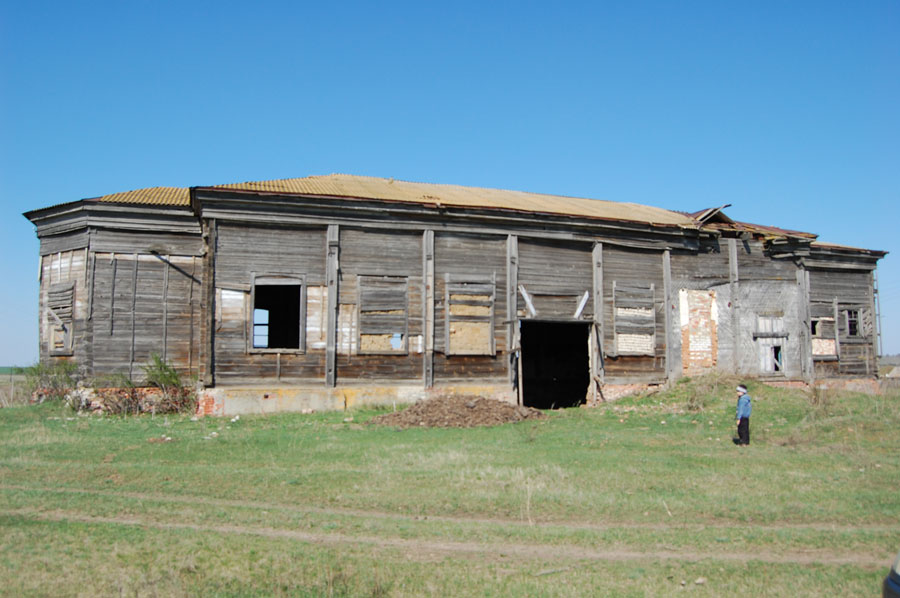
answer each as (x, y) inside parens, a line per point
(852, 322)
(469, 286)
(771, 340)
(276, 280)
(638, 297)
(61, 318)
(384, 315)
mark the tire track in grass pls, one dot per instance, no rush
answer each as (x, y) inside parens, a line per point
(425, 550)
(340, 511)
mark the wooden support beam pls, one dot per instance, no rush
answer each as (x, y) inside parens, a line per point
(581, 305)
(332, 269)
(734, 290)
(134, 274)
(837, 334)
(596, 357)
(428, 307)
(208, 333)
(529, 305)
(512, 315)
(191, 282)
(165, 308)
(806, 363)
(668, 307)
(91, 282)
(112, 293)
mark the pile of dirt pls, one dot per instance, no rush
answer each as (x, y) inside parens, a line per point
(457, 412)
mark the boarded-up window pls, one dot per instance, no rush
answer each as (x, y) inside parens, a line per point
(634, 315)
(278, 319)
(60, 312)
(469, 309)
(383, 309)
(822, 331)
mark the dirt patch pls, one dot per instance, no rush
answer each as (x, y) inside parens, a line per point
(457, 412)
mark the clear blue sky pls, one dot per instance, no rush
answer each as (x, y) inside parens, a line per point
(790, 111)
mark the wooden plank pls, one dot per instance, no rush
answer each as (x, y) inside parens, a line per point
(134, 272)
(208, 335)
(667, 316)
(532, 312)
(837, 327)
(428, 307)
(512, 317)
(734, 289)
(596, 357)
(91, 281)
(165, 306)
(112, 295)
(191, 320)
(331, 281)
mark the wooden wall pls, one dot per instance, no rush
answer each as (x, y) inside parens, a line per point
(832, 291)
(633, 268)
(243, 250)
(470, 257)
(388, 254)
(143, 305)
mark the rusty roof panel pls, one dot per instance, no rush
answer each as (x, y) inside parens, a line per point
(159, 196)
(347, 186)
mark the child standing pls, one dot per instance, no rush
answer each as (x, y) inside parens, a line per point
(743, 416)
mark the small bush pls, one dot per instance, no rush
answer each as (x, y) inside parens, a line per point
(175, 396)
(50, 380)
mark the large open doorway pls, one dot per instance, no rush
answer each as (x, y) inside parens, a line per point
(555, 363)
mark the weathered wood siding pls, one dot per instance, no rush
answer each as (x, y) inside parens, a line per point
(638, 269)
(143, 305)
(556, 274)
(128, 241)
(385, 254)
(241, 251)
(767, 289)
(64, 242)
(60, 271)
(470, 257)
(831, 292)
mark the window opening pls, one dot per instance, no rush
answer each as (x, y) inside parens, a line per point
(60, 309)
(777, 364)
(852, 316)
(277, 321)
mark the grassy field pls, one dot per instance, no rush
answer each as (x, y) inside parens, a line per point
(644, 496)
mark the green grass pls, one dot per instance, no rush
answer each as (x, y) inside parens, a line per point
(630, 498)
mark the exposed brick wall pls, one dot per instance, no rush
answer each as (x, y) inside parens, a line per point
(207, 404)
(699, 337)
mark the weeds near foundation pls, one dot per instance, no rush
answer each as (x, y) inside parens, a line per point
(176, 397)
(50, 381)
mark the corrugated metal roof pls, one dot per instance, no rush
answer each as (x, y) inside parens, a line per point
(348, 186)
(160, 196)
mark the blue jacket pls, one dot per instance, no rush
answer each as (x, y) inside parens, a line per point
(743, 406)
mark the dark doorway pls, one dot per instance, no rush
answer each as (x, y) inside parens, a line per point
(555, 364)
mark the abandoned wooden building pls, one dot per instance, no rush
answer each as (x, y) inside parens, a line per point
(337, 290)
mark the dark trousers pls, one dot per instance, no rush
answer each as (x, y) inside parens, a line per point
(744, 431)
